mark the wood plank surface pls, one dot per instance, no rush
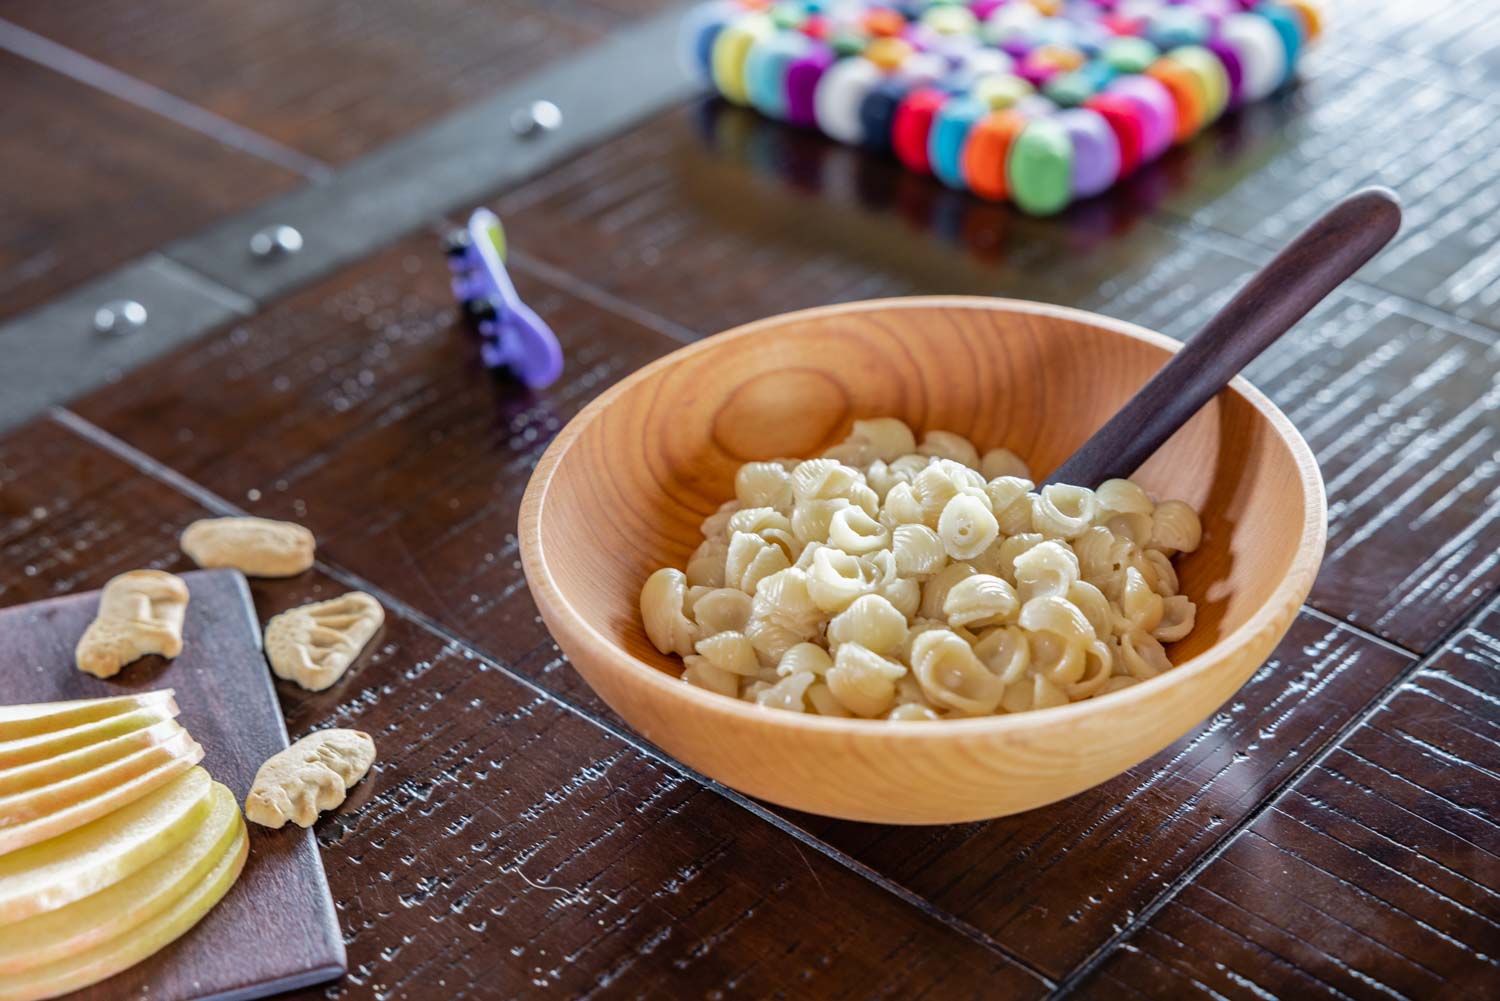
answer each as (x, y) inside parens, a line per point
(91, 182)
(405, 424)
(229, 706)
(506, 845)
(1377, 875)
(335, 78)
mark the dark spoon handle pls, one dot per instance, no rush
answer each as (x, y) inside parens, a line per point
(1306, 270)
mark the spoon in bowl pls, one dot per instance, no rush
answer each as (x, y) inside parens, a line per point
(1280, 294)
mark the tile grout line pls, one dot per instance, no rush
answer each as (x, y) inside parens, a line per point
(1381, 699)
(164, 474)
(122, 86)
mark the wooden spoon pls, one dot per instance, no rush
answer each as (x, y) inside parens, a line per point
(1306, 270)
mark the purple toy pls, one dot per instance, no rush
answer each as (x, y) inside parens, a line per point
(512, 336)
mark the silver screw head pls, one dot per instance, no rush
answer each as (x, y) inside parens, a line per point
(274, 241)
(536, 117)
(122, 316)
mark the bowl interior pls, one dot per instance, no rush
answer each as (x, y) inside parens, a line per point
(658, 453)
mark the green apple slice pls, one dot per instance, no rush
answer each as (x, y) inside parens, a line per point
(85, 759)
(55, 873)
(44, 717)
(53, 800)
(130, 947)
(115, 910)
(98, 802)
(26, 750)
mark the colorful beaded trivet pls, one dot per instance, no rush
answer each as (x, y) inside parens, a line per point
(1041, 102)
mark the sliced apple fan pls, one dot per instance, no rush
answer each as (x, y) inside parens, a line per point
(113, 842)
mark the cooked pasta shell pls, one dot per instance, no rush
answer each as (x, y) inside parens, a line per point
(980, 600)
(886, 438)
(904, 594)
(836, 579)
(1059, 616)
(1140, 607)
(1175, 528)
(1011, 549)
(1094, 606)
(951, 675)
(1032, 692)
(812, 519)
(1140, 655)
(730, 652)
(697, 671)
(1178, 616)
(935, 590)
(787, 694)
(908, 712)
(856, 532)
(763, 484)
(1005, 651)
(822, 700)
(1048, 568)
(667, 626)
(949, 445)
(786, 597)
(804, 658)
(1063, 511)
(721, 610)
(750, 560)
(863, 681)
(966, 526)
(705, 567)
(872, 622)
(716, 525)
(998, 462)
(918, 551)
(823, 479)
(1010, 500)
(902, 507)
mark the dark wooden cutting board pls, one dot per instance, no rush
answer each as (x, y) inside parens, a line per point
(276, 929)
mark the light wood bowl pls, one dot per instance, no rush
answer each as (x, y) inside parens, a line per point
(624, 487)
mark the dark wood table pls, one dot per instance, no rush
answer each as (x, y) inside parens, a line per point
(1333, 831)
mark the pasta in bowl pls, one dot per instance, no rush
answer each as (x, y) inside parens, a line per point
(914, 581)
(874, 565)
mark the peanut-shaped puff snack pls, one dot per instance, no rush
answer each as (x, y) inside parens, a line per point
(257, 547)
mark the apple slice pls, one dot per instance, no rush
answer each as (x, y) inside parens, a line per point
(26, 750)
(59, 797)
(98, 801)
(55, 873)
(132, 946)
(115, 910)
(87, 758)
(44, 717)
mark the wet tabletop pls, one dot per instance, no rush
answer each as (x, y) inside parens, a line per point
(1334, 830)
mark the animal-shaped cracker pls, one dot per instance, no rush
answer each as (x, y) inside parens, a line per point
(315, 644)
(140, 612)
(309, 777)
(257, 547)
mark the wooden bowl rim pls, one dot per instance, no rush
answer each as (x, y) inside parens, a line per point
(1290, 593)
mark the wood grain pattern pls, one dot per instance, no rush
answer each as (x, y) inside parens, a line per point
(91, 182)
(229, 706)
(1361, 123)
(1377, 875)
(319, 76)
(1357, 376)
(506, 845)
